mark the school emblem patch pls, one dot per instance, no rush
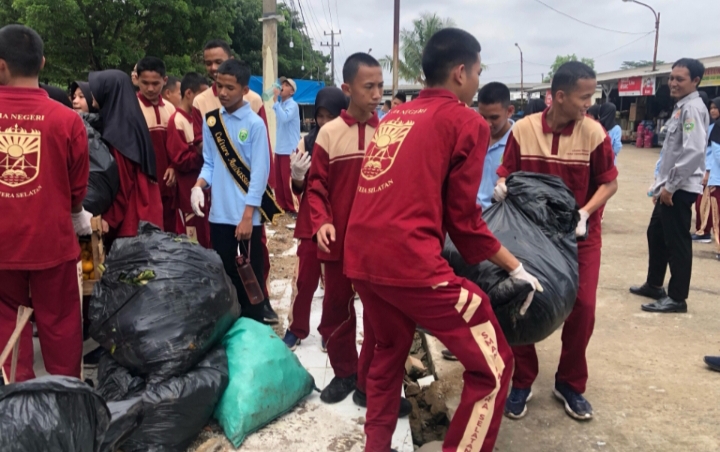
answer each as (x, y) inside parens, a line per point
(211, 121)
(383, 149)
(689, 125)
(19, 156)
(243, 135)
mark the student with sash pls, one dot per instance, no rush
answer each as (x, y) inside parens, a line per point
(236, 165)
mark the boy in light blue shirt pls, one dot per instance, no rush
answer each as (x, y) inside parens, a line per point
(287, 114)
(234, 151)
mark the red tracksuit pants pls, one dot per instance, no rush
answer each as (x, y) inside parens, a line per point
(283, 192)
(459, 314)
(576, 333)
(338, 324)
(308, 277)
(58, 315)
(707, 214)
(169, 215)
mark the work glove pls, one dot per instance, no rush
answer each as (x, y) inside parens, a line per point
(299, 165)
(197, 201)
(581, 229)
(81, 222)
(500, 192)
(520, 273)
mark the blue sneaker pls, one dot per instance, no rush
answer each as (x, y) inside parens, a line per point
(323, 345)
(516, 403)
(576, 406)
(291, 340)
(707, 238)
(713, 362)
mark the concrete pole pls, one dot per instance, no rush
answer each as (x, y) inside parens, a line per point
(270, 20)
(396, 47)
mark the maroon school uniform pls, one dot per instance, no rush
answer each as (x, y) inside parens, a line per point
(44, 166)
(419, 180)
(581, 154)
(187, 161)
(337, 158)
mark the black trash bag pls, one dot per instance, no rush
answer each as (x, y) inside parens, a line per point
(162, 303)
(104, 180)
(51, 414)
(115, 382)
(536, 222)
(175, 411)
(126, 418)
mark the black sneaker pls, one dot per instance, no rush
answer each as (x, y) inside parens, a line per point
(713, 362)
(666, 305)
(269, 315)
(648, 291)
(360, 399)
(92, 359)
(448, 355)
(338, 389)
(516, 403)
(576, 406)
(707, 238)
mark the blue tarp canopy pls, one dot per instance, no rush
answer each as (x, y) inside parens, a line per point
(306, 89)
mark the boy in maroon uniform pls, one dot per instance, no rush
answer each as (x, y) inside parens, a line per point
(151, 80)
(419, 180)
(337, 158)
(563, 142)
(44, 166)
(187, 158)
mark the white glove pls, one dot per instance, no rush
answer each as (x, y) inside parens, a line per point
(81, 222)
(500, 192)
(520, 273)
(581, 229)
(197, 201)
(299, 165)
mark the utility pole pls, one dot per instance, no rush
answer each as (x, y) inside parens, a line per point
(270, 19)
(332, 44)
(396, 46)
(522, 75)
(657, 29)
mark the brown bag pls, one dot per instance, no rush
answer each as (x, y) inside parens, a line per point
(248, 278)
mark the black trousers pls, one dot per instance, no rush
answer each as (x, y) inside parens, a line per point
(670, 242)
(226, 245)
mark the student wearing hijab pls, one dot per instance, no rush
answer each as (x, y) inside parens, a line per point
(82, 99)
(330, 101)
(57, 94)
(125, 131)
(606, 117)
(594, 112)
(534, 106)
(708, 215)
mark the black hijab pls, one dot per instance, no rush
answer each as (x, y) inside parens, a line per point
(334, 101)
(57, 94)
(606, 116)
(534, 106)
(705, 98)
(594, 112)
(124, 126)
(715, 134)
(87, 94)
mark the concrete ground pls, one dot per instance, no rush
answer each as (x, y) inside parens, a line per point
(648, 385)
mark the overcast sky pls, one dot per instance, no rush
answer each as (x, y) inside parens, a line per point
(687, 29)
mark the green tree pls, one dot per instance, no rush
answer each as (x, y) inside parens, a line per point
(412, 43)
(638, 64)
(562, 59)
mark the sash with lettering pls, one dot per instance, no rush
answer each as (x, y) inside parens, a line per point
(239, 170)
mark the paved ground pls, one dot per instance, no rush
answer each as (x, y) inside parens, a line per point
(648, 384)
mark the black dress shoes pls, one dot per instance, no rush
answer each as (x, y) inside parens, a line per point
(666, 305)
(648, 291)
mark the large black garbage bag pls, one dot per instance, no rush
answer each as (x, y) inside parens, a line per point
(104, 180)
(162, 303)
(115, 382)
(126, 418)
(51, 414)
(536, 222)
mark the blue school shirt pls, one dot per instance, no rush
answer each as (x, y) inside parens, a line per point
(248, 134)
(493, 159)
(615, 135)
(712, 161)
(287, 114)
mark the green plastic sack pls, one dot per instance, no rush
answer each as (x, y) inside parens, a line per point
(266, 380)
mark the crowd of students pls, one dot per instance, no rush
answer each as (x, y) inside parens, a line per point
(376, 199)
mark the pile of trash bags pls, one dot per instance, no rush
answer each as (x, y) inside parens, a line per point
(104, 180)
(536, 223)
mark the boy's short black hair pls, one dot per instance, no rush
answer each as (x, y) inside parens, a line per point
(151, 64)
(218, 43)
(171, 83)
(353, 63)
(402, 97)
(567, 76)
(694, 67)
(388, 104)
(193, 82)
(237, 68)
(445, 50)
(22, 49)
(494, 93)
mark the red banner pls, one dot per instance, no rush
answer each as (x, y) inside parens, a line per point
(637, 86)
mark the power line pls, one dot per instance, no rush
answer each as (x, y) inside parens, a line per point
(623, 46)
(587, 23)
(312, 51)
